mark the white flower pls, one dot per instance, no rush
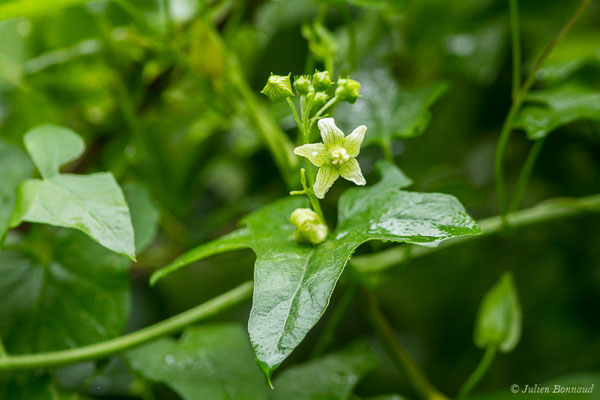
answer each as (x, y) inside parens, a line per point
(335, 156)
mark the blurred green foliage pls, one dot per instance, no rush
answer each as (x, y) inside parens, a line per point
(166, 96)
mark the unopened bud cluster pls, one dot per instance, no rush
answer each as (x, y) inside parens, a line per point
(314, 87)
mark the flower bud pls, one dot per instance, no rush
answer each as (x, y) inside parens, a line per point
(309, 227)
(318, 98)
(302, 84)
(347, 90)
(278, 88)
(321, 80)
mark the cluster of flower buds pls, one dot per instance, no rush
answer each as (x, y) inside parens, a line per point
(309, 227)
(314, 87)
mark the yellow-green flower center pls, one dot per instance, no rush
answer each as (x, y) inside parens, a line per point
(339, 156)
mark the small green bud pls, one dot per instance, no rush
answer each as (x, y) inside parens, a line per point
(347, 90)
(302, 84)
(309, 227)
(278, 88)
(321, 80)
(318, 98)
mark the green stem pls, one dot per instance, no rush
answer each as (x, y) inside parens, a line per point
(387, 150)
(484, 365)
(548, 210)
(3, 352)
(563, 32)
(525, 174)
(552, 209)
(307, 190)
(396, 352)
(298, 121)
(321, 111)
(130, 340)
(518, 100)
(516, 48)
(498, 161)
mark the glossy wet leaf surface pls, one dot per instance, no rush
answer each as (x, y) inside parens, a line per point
(294, 282)
(550, 109)
(93, 204)
(389, 112)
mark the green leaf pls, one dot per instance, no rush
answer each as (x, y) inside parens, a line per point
(72, 294)
(569, 56)
(15, 167)
(389, 111)
(499, 320)
(550, 109)
(51, 147)
(144, 214)
(30, 8)
(332, 377)
(93, 203)
(293, 283)
(213, 361)
(584, 381)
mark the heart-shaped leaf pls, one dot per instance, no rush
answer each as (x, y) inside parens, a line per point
(94, 203)
(78, 297)
(293, 283)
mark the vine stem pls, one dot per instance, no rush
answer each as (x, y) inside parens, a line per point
(103, 349)
(525, 174)
(548, 210)
(3, 352)
(516, 47)
(482, 367)
(519, 96)
(552, 209)
(396, 352)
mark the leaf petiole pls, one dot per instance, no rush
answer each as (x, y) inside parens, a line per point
(321, 111)
(482, 367)
(311, 196)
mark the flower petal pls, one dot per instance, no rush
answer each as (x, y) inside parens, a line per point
(325, 177)
(350, 170)
(316, 153)
(353, 141)
(331, 134)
